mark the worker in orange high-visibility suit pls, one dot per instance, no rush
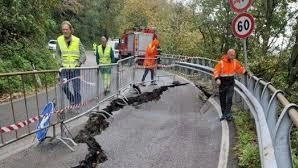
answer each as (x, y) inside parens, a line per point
(224, 74)
(150, 61)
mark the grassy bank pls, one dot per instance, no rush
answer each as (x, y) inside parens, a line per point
(246, 148)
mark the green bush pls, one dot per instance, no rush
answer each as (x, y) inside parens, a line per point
(19, 58)
(294, 146)
(246, 149)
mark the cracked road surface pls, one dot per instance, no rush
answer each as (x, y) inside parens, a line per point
(164, 134)
(168, 133)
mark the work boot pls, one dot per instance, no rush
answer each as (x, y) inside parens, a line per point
(222, 118)
(153, 83)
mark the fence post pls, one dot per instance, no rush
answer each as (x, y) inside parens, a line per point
(97, 85)
(61, 117)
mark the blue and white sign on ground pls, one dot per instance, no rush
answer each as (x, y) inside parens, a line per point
(44, 121)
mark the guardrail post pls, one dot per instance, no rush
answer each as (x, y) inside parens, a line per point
(251, 85)
(265, 97)
(118, 79)
(192, 61)
(243, 104)
(133, 71)
(205, 77)
(271, 113)
(257, 89)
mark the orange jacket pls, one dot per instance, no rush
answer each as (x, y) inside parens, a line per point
(150, 55)
(227, 68)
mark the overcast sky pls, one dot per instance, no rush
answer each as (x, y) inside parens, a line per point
(282, 42)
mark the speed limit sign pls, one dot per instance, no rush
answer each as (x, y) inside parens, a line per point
(243, 25)
(240, 6)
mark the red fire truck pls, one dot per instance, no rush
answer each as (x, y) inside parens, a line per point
(134, 42)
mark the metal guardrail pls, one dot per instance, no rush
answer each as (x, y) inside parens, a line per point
(265, 103)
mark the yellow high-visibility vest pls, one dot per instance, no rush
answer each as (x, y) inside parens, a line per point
(104, 57)
(70, 55)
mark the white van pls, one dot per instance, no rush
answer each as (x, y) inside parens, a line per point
(115, 46)
(52, 45)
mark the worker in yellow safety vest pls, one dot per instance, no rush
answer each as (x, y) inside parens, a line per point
(104, 57)
(94, 48)
(70, 54)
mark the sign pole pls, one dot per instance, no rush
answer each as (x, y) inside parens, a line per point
(245, 53)
(243, 23)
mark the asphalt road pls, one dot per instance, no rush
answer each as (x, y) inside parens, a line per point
(170, 132)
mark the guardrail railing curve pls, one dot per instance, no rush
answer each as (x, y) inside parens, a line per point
(273, 131)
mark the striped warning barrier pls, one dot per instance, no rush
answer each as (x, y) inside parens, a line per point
(18, 125)
(13, 127)
(21, 124)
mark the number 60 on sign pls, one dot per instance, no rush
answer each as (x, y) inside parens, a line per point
(243, 25)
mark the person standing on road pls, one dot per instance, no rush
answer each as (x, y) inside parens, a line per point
(150, 61)
(105, 55)
(224, 75)
(71, 54)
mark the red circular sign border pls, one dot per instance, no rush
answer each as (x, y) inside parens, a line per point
(240, 10)
(234, 23)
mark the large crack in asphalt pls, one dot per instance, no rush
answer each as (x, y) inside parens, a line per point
(204, 90)
(97, 123)
(206, 93)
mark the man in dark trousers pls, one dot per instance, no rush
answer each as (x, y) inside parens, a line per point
(70, 54)
(224, 75)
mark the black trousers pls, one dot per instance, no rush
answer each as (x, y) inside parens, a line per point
(226, 93)
(69, 74)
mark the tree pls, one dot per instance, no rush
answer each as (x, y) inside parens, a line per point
(293, 61)
(23, 28)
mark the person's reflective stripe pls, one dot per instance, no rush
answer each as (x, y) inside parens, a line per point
(227, 75)
(70, 53)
